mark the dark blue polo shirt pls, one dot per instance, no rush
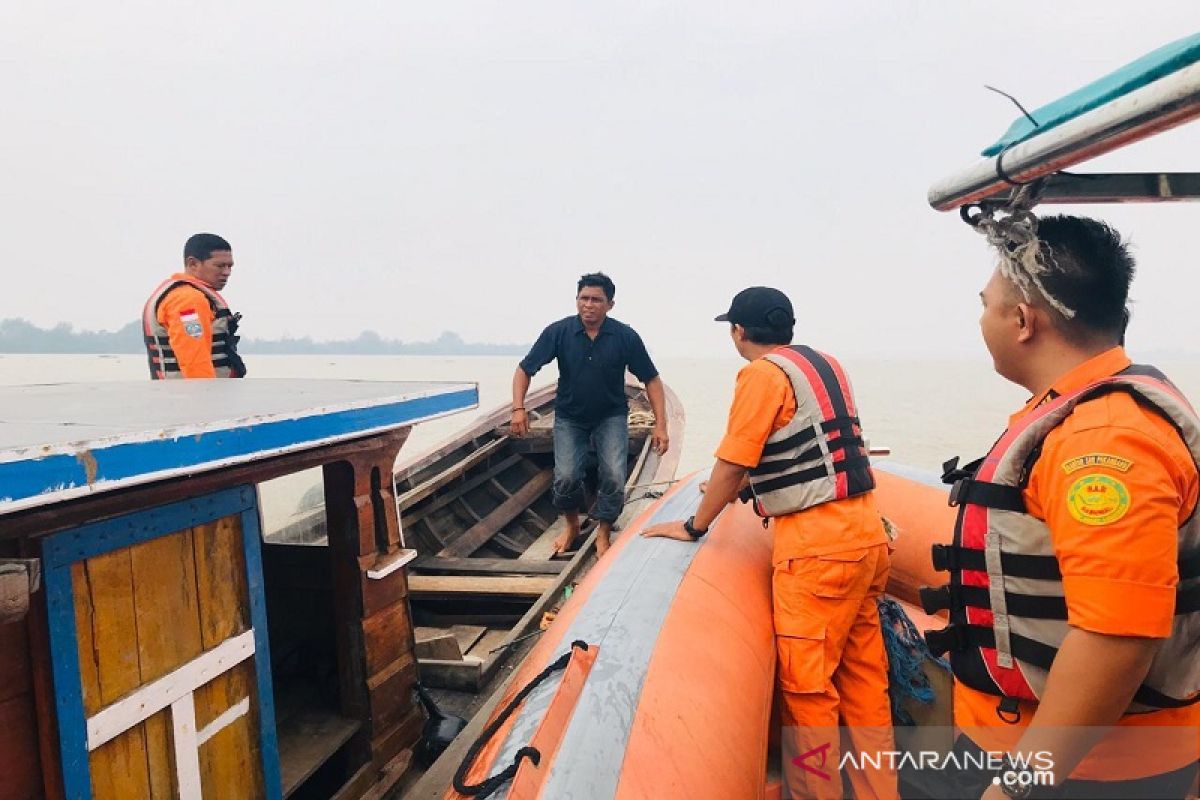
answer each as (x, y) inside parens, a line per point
(591, 372)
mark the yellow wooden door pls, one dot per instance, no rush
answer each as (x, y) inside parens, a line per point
(169, 656)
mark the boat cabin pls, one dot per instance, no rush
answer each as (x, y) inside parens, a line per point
(153, 643)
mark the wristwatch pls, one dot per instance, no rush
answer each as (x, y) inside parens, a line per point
(1015, 780)
(692, 531)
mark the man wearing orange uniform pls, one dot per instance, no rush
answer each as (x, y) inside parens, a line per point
(794, 444)
(188, 328)
(1086, 574)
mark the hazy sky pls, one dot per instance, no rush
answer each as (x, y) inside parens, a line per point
(419, 167)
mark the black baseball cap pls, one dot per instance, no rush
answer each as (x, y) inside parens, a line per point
(760, 307)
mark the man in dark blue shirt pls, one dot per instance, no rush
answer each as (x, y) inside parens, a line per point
(593, 351)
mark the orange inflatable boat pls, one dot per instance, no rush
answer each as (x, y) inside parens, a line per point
(656, 679)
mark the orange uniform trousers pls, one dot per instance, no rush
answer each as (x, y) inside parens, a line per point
(833, 671)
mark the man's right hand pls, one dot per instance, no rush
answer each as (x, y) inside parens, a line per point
(520, 422)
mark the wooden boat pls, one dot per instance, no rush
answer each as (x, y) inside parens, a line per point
(477, 509)
(153, 643)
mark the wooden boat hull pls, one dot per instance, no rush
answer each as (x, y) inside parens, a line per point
(478, 511)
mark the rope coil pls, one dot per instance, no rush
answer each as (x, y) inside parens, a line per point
(1012, 229)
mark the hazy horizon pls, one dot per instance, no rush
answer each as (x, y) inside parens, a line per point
(413, 168)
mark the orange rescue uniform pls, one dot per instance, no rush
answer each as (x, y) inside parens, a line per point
(1119, 578)
(194, 353)
(830, 567)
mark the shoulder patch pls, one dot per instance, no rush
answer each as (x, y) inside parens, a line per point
(1096, 499)
(191, 323)
(1097, 460)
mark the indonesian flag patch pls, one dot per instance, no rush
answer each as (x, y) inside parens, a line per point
(191, 323)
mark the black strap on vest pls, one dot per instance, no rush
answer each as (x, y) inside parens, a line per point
(953, 557)
(843, 424)
(945, 598)
(806, 475)
(956, 638)
(952, 473)
(965, 489)
(988, 495)
(844, 443)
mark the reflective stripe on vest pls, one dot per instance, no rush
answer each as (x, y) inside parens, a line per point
(819, 455)
(1007, 607)
(163, 363)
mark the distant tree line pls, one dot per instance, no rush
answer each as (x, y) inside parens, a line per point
(22, 336)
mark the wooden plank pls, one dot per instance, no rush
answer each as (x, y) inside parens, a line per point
(463, 676)
(450, 495)
(486, 644)
(437, 644)
(108, 654)
(230, 764)
(454, 585)
(221, 582)
(307, 742)
(487, 566)
(240, 776)
(390, 693)
(420, 492)
(166, 603)
(532, 445)
(467, 635)
(119, 769)
(385, 746)
(229, 756)
(159, 763)
(379, 594)
(471, 540)
(387, 636)
(543, 547)
(105, 621)
(168, 624)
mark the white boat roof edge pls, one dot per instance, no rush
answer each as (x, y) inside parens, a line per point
(127, 451)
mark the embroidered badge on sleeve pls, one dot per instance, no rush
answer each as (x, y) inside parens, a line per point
(1097, 499)
(1112, 462)
(191, 323)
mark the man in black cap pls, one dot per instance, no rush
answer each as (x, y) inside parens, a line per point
(793, 445)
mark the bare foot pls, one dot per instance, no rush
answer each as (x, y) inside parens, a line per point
(567, 538)
(603, 542)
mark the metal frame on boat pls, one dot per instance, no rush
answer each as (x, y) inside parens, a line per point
(1162, 104)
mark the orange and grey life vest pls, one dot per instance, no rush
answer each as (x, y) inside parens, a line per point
(819, 456)
(163, 363)
(1008, 612)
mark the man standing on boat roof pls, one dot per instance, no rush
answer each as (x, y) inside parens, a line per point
(793, 444)
(187, 326)
(593, 352)
(1075, 566)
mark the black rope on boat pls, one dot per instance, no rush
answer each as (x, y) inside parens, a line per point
(489, 785)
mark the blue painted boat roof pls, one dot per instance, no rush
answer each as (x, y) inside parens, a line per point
(62, 441)
(1150, 67)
